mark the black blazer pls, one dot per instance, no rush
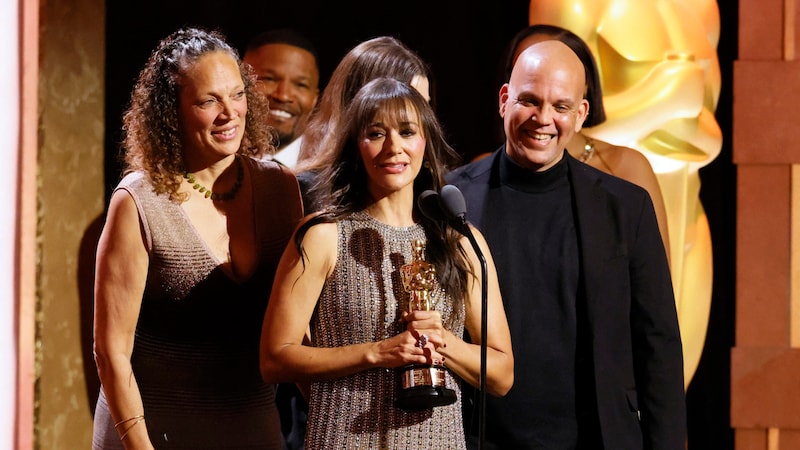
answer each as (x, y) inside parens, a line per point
(636, 342)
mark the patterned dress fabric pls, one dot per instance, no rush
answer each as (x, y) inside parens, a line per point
(362, 302)
(196, 349)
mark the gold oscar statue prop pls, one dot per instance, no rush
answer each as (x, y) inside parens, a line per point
(422, 385)
(661, 82)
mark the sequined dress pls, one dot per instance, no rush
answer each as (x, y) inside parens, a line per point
(196, 347)
(362, 302)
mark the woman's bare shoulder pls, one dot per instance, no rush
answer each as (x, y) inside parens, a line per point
(322, 236)
(626, 162)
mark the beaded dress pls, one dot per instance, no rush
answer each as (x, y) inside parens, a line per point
(362, 301)
(196, 348)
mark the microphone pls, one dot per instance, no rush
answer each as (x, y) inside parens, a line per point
(455, 208)
(430, 206)
(451, 207)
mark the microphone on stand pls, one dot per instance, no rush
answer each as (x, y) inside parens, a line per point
(451, 207)
(430, 206)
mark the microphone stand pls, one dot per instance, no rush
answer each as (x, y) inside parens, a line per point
(450, 206)
(465, 230)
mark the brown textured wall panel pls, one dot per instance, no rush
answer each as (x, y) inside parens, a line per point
(762, 266)
(789, 440)
(747, 439)
(791, 36)
(760, 30)
(765, 392)
(71, 196)
(764, 106)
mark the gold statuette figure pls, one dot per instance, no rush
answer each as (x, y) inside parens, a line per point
(422, 385)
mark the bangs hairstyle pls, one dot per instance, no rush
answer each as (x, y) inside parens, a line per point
(391, 102)
(343, 185)
(383, 108)
(383, 56)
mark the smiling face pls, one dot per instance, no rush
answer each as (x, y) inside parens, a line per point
(542, 105)
(289, 77)
(392, 148)
(213, 107)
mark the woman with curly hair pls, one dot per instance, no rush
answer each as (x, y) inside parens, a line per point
(186, 259)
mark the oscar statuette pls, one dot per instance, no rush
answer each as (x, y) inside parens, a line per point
(422, 385)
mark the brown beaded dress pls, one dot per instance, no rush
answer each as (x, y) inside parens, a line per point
(196, 349)
(362, 302)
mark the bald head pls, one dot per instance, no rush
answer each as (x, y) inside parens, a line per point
(543, 104)
(552, 57)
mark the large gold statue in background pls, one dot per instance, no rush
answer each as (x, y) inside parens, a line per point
(661, 82)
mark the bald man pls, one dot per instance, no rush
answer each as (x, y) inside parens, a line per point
(584, 278)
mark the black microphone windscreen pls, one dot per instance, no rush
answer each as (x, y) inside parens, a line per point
(452, 201)
(429, 205)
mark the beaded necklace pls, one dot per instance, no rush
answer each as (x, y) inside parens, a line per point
(213, 195)
(588, 149)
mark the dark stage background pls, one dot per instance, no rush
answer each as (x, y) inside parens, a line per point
(463, 44)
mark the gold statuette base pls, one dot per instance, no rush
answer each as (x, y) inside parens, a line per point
(423, 386)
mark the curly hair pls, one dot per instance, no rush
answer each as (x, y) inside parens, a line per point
(341, 185)
(152, 141)
(383, 56)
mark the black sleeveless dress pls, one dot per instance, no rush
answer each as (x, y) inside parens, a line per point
(196, 349)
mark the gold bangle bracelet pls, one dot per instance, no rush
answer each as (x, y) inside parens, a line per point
(125, 434)
(140, 416)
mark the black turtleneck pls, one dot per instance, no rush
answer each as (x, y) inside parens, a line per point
(535, 248)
